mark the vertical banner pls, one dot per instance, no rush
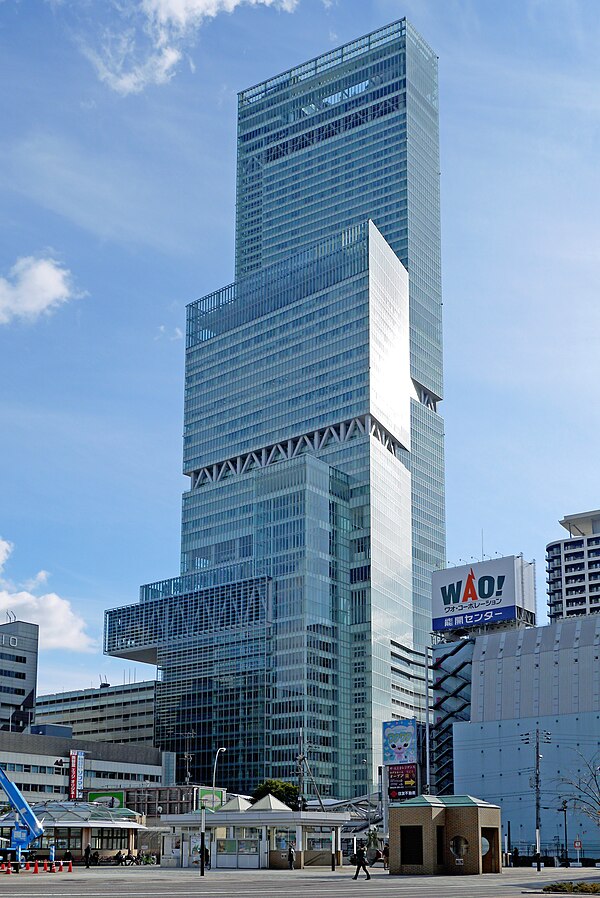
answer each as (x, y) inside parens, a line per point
(400, 741)
(76, 759)
(401, 760)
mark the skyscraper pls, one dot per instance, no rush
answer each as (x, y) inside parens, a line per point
(312, 440)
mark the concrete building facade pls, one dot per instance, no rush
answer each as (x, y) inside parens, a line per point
(104, 714)
(42, 766)
(18, 674)
(545, 679)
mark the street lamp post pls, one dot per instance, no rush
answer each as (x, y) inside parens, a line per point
(219, 750)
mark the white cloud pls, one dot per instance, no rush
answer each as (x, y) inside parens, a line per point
(5, 550)
(40, 578)
(34, 287)
(162, 331)
(183, 15)
(120, 75)
(60, 626)
(147, 49)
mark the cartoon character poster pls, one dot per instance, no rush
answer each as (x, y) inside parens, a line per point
(400, 742)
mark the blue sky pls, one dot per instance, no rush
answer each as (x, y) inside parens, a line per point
(117, 168)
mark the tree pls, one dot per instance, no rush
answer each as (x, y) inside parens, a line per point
(284, 791)
(583, 790)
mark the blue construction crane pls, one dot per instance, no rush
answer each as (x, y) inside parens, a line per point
(27, 827)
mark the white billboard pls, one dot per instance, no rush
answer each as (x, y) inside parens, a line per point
(485, 592)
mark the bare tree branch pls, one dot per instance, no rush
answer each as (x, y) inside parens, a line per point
(583, 791)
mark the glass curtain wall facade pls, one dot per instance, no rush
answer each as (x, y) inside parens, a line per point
(311, 438)
(354, 134)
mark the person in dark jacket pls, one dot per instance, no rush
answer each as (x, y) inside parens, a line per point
(361, 863)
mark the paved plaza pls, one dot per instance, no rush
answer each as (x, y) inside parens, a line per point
(153, 882)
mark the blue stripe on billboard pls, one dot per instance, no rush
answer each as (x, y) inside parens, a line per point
(474, 618)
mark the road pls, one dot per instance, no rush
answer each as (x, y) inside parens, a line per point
(154, 882)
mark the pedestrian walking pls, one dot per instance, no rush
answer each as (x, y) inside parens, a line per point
(386, 856)
(291, 857)
(87, 854)
(361, 863)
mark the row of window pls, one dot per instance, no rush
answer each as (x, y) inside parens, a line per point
(11, 767)
(66, 838)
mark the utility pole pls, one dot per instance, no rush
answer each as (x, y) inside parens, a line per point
(545, 737)
(563, 808)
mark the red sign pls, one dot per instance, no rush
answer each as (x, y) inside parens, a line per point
(75, 774)
(577, 843)
(402, 781)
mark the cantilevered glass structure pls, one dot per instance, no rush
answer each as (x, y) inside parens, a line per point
(312, 441)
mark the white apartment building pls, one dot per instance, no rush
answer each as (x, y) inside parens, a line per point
(573, 568)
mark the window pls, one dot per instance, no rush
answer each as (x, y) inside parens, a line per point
(109, 839)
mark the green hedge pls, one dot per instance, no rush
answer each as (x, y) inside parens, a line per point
(574, 888)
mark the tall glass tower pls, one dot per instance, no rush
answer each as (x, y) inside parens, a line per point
(315, 512)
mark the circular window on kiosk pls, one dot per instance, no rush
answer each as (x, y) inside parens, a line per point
(459, 846)
(485, 846)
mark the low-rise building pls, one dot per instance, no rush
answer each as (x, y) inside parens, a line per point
(70, 826)
(255, 836)
(50, 766)
(434, 834)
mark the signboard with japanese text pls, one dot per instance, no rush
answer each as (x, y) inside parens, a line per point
(484, 592)
(402, 781)
(76, 763)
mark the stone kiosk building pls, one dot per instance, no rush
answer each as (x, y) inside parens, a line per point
(441, 834)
